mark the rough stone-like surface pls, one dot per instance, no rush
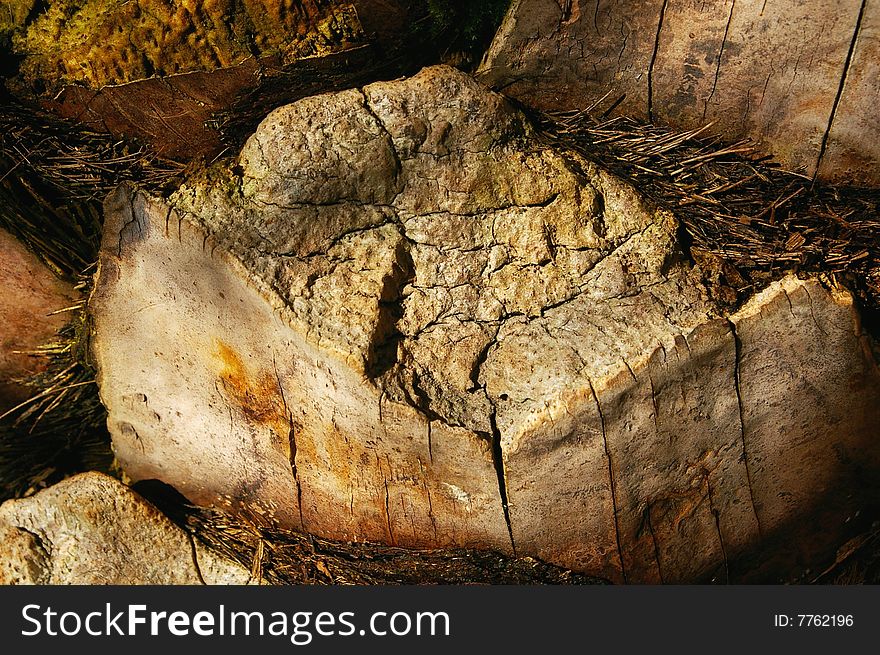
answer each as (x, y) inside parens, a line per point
(29, 293)
(398, 317)
(770, 71)
(92, 529)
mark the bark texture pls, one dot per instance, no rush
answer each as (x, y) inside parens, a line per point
(399, 317)
(91, 529)
(795, 77)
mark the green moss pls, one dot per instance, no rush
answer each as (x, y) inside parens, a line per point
(13, 16)
(100, 42)
(14, 13)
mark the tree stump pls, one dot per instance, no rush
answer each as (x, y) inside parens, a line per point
(401, 317)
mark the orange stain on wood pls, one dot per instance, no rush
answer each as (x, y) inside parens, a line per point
(258, 398)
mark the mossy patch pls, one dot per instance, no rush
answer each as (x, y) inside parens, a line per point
(101, 42)
(14, 14)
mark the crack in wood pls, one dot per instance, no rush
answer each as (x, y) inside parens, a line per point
(291, 437)
(195, 558)
(388, 514)
(846, 65)
(737, 385)
(498, 461)
(610, 480)
(646, 520)
(653, 60)
(718, 61)
(717, 516)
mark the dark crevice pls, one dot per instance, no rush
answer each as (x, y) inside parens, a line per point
(10, 58)
(422, 401)
(195, 557)
(718, 62)
(498, 461)
(565, 7)
(482, 356)
(40, 7)
(388, 516)
(656, 408)
(648, 524)
(398, 166)
(384, 341)
(39, 542)
(837, 97)
(716, 514)
(653, 60)
(611, 481)
(494, 438)
(738, 388)
(291, 440)
(132, 228)
(430, 451)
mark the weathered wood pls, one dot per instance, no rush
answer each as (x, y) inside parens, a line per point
(852, 151)
(400, 317)
(794, 77)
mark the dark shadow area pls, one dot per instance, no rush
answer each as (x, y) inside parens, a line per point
(286, 557)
